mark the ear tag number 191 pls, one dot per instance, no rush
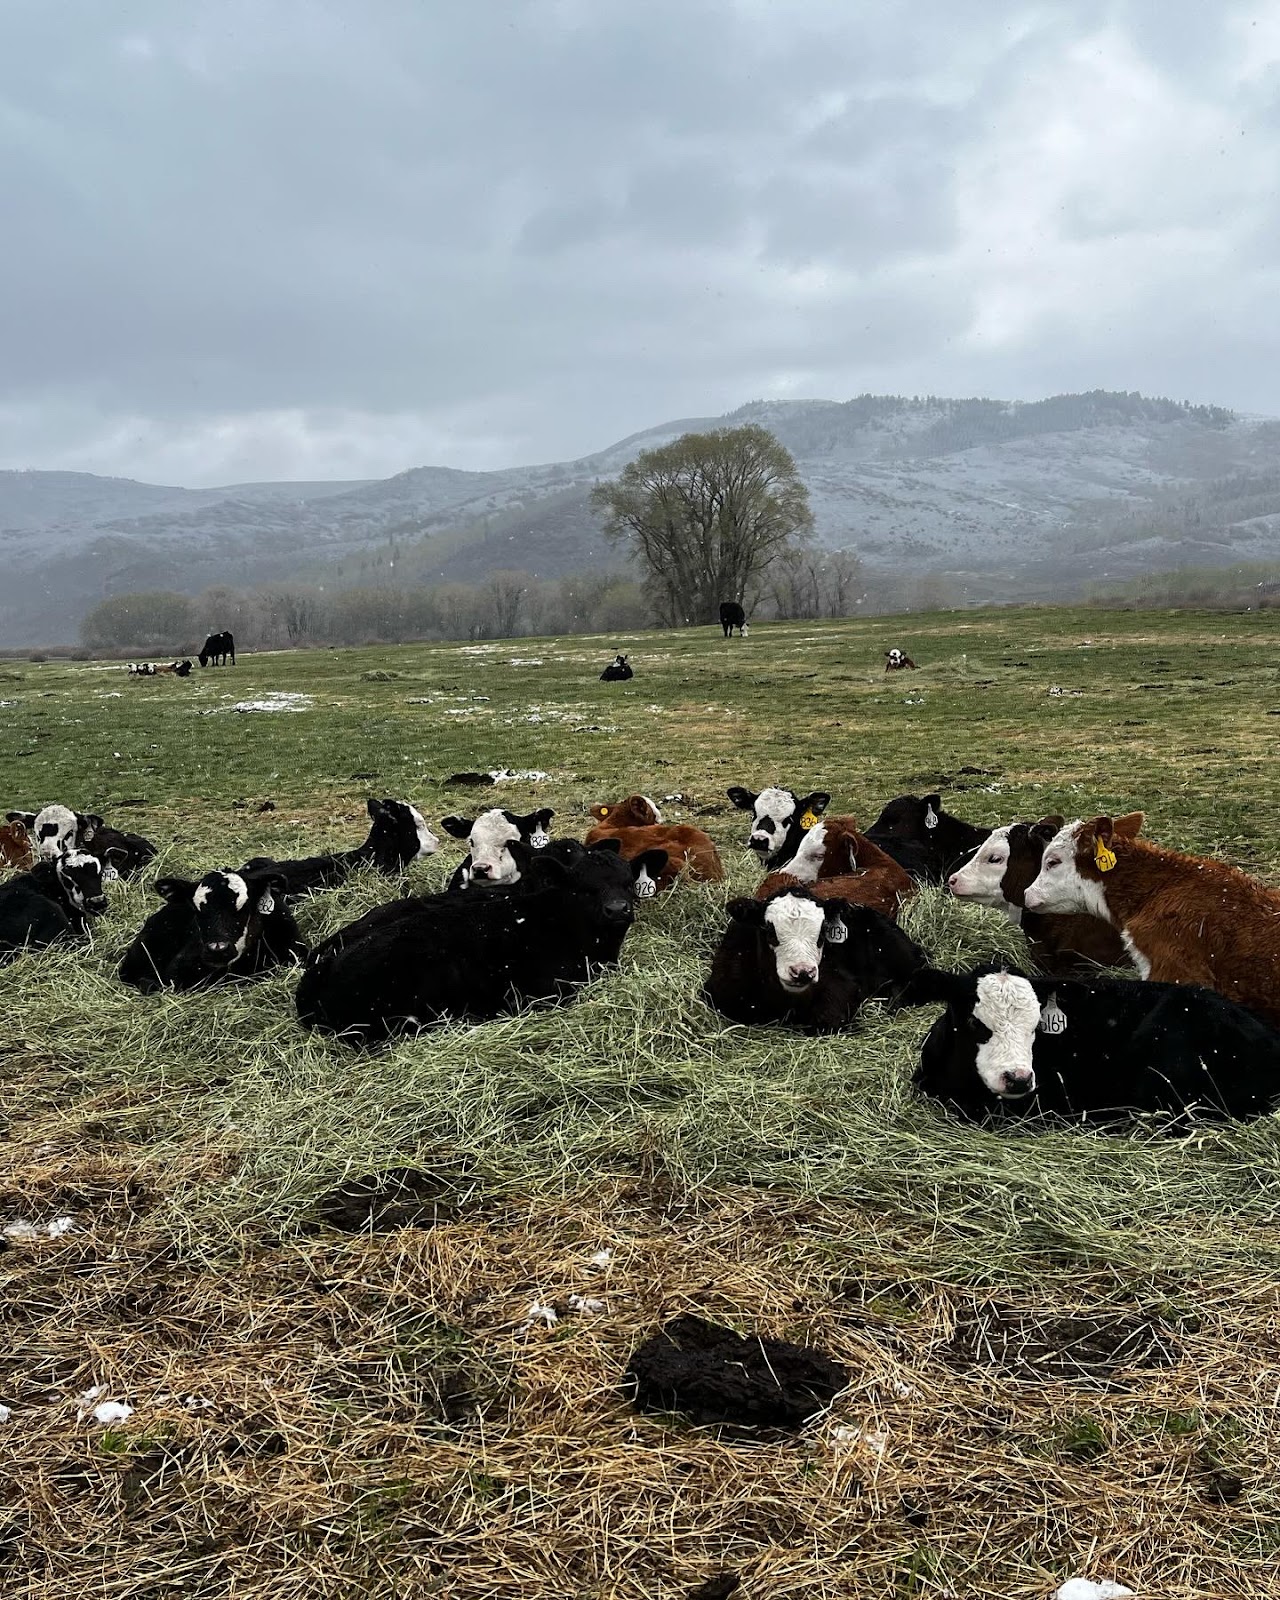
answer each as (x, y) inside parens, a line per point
(1105, 858)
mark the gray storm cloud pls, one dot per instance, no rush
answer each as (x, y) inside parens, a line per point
(289, 238)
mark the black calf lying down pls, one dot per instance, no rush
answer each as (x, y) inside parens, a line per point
(398, 835)
(806, 962)
(53, 901)
(923, 838)
(1094, 1051)
(229, 925)
(480, 954)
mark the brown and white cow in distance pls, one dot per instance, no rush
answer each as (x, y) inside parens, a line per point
(1183, 919)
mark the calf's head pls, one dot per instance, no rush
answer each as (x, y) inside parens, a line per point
(602, 883)
(82, 877)
(490, 836)
(779, 819)
(796, 927)
(398, 834)
(636, 811)
(227, 906)
(981, 879)
(910, 819)
(57, 829)
(1076, 862)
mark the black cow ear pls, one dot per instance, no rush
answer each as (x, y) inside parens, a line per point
(930, 983)
(612, 846)
(457, 827)
(175, 890)
(1041, 832)
(26, 818)
(542, 818)
(374, 807)
(746, 910)
(266, 891)
(742, 798)
(653, 862)
(817, 802)
(934, 800)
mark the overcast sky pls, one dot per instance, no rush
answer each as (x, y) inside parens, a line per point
(249, 239)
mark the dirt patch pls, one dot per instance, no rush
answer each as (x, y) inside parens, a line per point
(713, 1375)
(1067, 1347)
(403, 1197)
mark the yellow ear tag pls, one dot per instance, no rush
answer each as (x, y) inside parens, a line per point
(807, 821)
(1104, 859)
(604, 811)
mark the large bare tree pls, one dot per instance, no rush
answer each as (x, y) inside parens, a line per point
(706, 514)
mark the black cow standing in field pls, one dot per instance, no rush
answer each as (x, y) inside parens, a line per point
(618, 671)
(733, 616)
(217, 648)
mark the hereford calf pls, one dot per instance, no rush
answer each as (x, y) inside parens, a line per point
(489, 836)
(688, 849)
(806, 963)
(228, 925)
(928, 841)
(1096, 1051)
(1183, 919)
(997, 874)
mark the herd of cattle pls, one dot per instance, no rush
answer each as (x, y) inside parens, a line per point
(528, 918)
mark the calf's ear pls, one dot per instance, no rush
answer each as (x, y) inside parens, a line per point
(742, 798)
(26, 818)
(266, 892)
(748, 911)
(457, 827)
(817, 802)
(1101, 828)
(613, 846)
(930, 984)
(1054, 822)
(374, 807)
(175, 890)
(601, 812)
(88, 825)
(542, 818)
(934, 800)
(652, 861)
(1130, 825)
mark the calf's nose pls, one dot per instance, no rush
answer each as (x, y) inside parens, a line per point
(477, 871)
(802, 974)
(1018, 1080)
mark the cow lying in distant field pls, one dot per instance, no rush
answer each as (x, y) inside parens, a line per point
(489, 836)
(476, 955)
(998, 873)
(928, 841)
(16, 850)
(807, 963)
(141, 669)
(227, 925)
(57, 829)
(1183, 919)
(618, 671)
(53, 901)
(896, 660)
(398, 835)
(688, 850)
(1094, 1051)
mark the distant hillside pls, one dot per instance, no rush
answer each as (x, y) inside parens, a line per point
(1003, 499)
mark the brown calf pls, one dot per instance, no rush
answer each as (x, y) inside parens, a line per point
(15, 847)
(875, 889)
(1064, 943)
(688, 849)
(1183, 919)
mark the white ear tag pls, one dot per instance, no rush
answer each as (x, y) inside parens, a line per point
(930, 817)
(538, 840)
(646, 888)
(837, 933)
(1052, 1018)
(109, 874)
(267, 904)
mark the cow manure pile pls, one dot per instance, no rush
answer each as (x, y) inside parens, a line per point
(381, 1202)
(714, 1375)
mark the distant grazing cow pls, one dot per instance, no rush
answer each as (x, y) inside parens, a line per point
(928, 841)
(398, 835)
(227, 925)
(687, 849)
(57, 829)
(53, 901)
(733, 616)
(1094, 1051)
(488, 836)
(897, 661)
(807, 963)
(618, 671)
(15, 847)
(477, 955)
(218, 647)
(1183, 919)
(997, 874)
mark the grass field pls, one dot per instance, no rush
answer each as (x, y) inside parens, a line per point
(1064, 1346)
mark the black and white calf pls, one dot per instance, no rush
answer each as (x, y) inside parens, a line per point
(53, 901)
(618, 671)
(923, 838)
(733, 616)
(896, 660)
(477, 955)
(807, 963)
(398, 835)
(57, 829)
(489, 836)
(1095, 1051)
(226, 925)
(781, 822)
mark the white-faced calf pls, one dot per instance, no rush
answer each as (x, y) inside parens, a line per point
(1094, 1051)
(54, 900)
(489, 836)
(225, 925)
(805, 962)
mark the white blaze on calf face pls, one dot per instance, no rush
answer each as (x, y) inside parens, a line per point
(491, 861)
(770, 818)
(981, 876)
(428, 844)
(1059, 886)
(235, 884)
(807, 861)
(1009, 1008)
(54, 831)
(657, 815)
(796, 925)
